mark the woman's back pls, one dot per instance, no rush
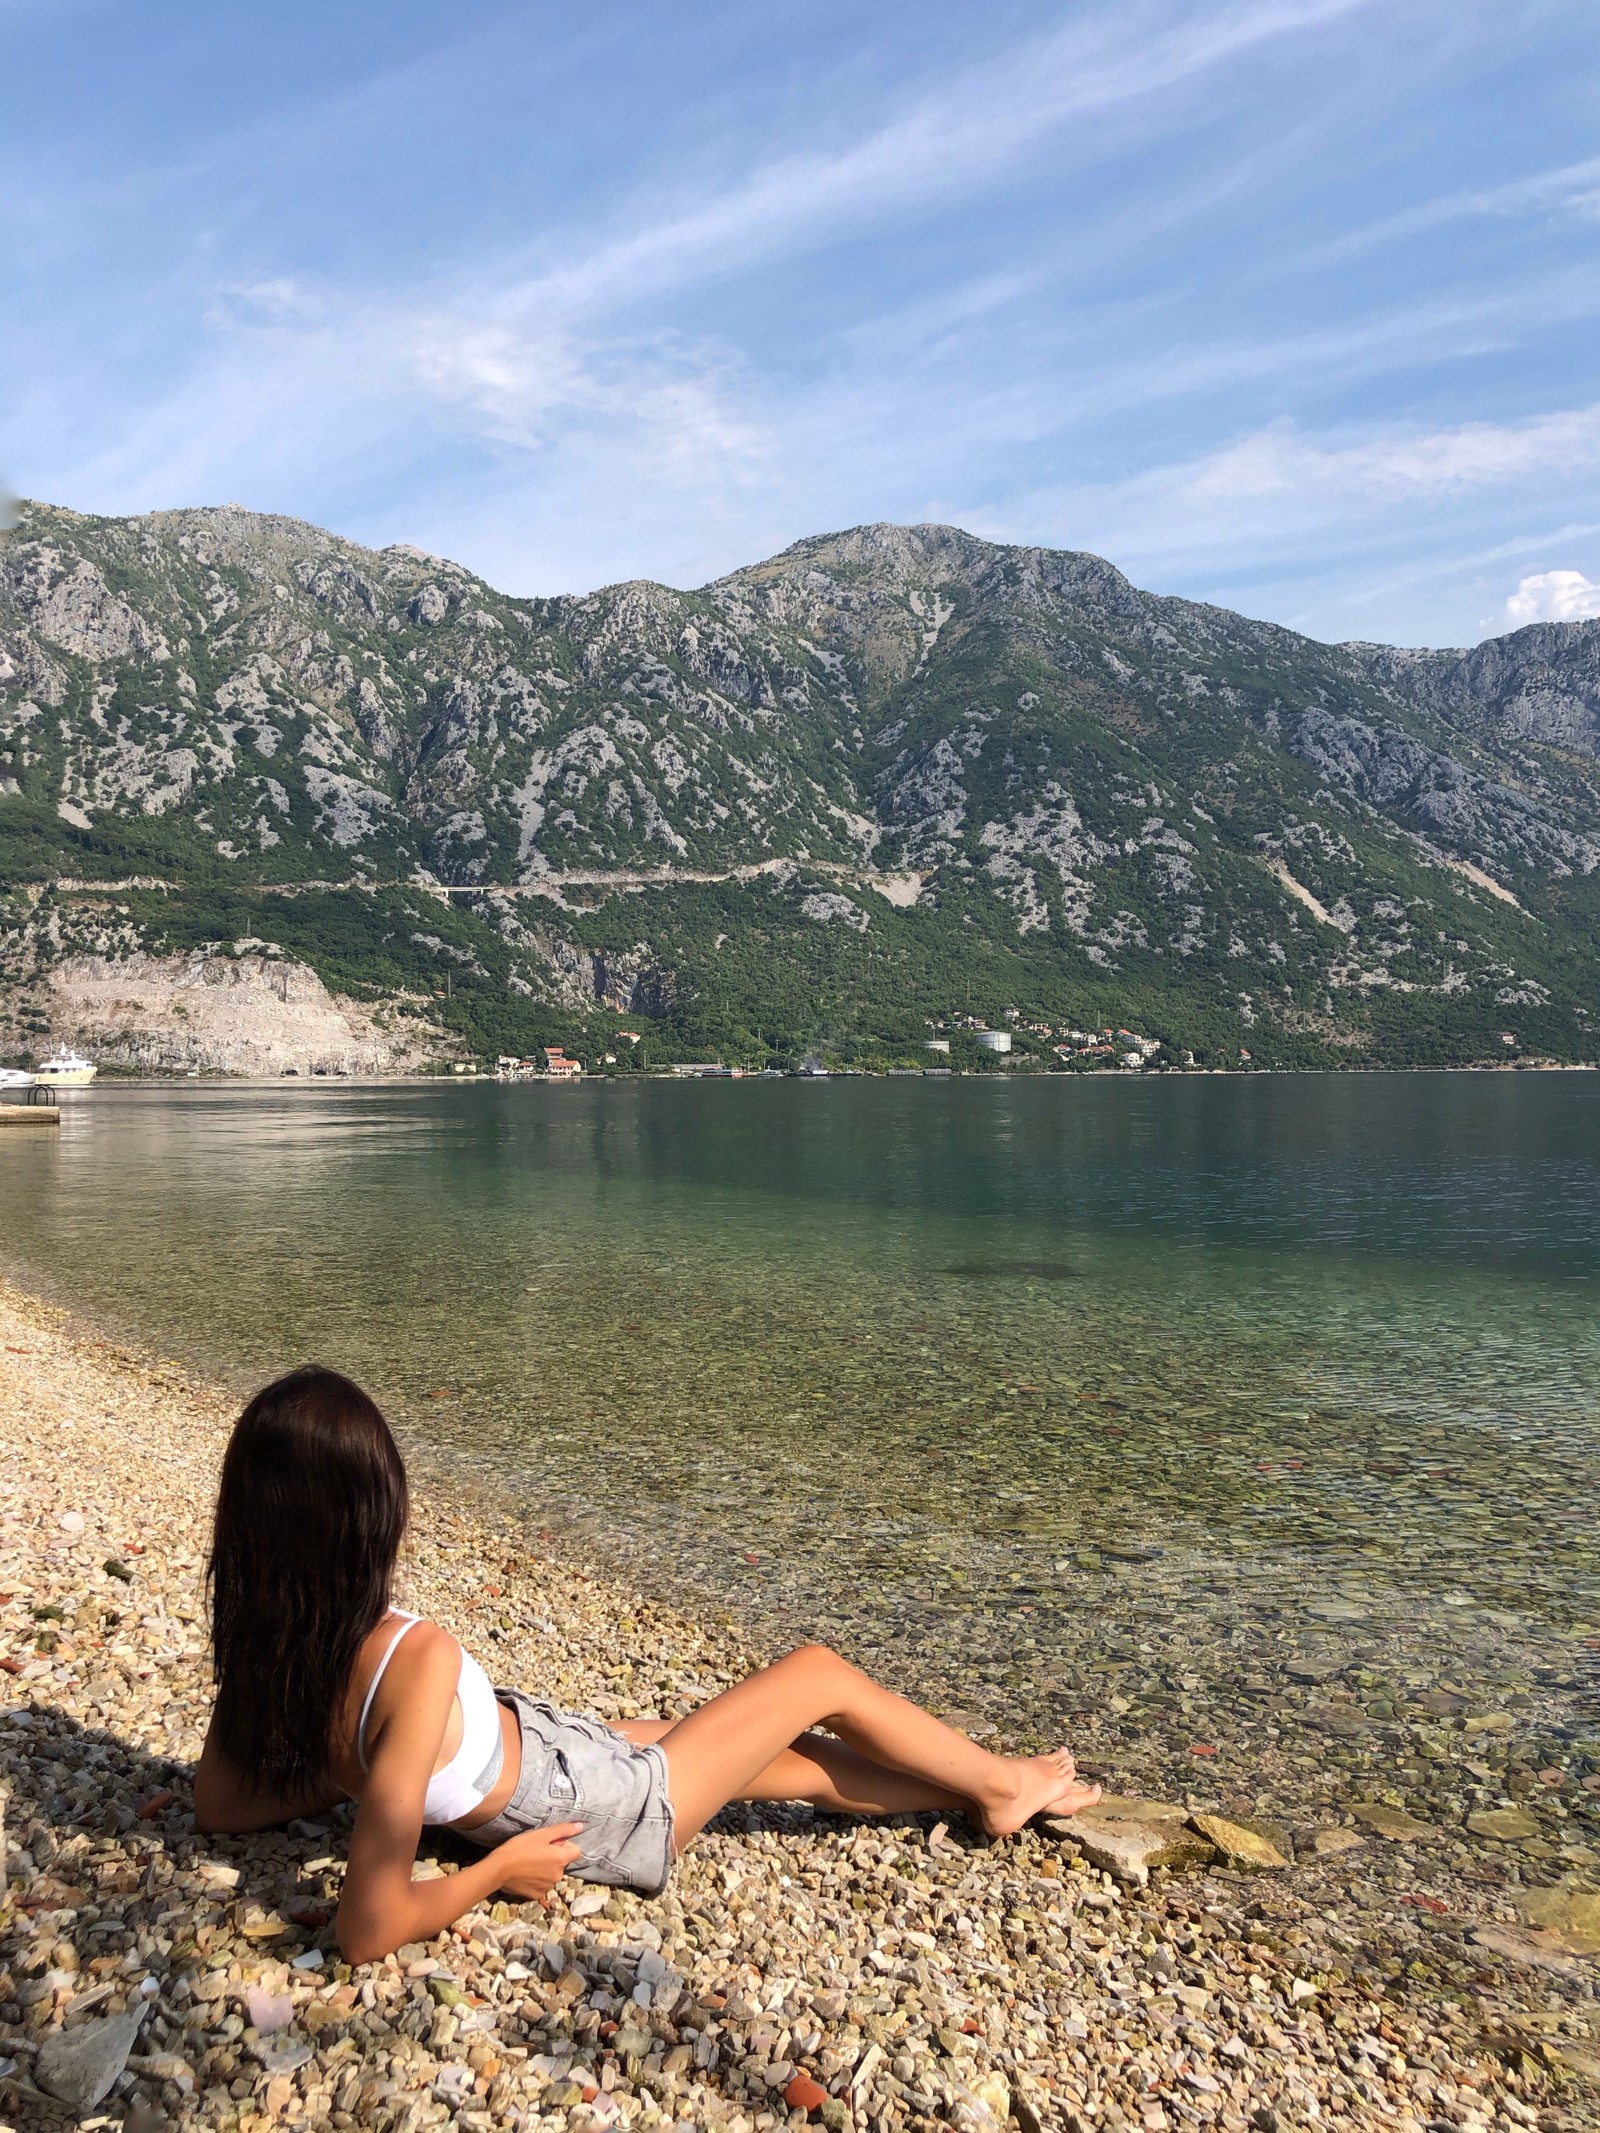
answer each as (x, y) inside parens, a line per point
(472, 1750)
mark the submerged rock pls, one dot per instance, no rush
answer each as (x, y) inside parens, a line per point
(1572, 1914)
(1334, 1842)
(1509, 1825)
(1238, 1843)
(1533, 1950)
(1391, 1822)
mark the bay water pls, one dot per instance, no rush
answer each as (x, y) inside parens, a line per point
(1042, 1396)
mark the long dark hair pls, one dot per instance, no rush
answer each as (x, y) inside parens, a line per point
(310, 1516)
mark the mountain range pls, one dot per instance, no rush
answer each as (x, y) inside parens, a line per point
(892, 778)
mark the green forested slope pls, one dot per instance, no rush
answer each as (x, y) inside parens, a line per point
(890, 776)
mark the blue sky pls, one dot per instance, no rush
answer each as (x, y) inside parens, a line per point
(1289, 304)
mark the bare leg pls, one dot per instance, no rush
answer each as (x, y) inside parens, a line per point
(719, 1751)
(827, 1774)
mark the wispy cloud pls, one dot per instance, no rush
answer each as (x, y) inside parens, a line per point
(1339, 522)
(521, 360)
(1280, 460)
(1572, 190)
(1047, 279)
(314, 380)
(947, 140)
(1281, 490)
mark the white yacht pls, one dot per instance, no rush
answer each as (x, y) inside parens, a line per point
(67, 1070)
(16, 1078)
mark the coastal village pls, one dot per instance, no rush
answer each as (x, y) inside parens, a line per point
(959, 1043)
(1112, 1045)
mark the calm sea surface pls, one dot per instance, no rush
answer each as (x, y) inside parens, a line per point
(943, 1366)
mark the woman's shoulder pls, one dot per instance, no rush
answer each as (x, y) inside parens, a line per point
(419, 1673)
(405, 1649)
(410, 1638)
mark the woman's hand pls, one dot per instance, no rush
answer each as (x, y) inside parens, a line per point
(531, 1863)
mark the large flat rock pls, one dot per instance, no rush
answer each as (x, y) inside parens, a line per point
(80, 2066)
(1130, 1846)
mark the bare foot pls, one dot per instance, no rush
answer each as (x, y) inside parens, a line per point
(1074, 1799)
(1035, 1785)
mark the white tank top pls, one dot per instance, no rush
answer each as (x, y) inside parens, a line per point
(465, 1781)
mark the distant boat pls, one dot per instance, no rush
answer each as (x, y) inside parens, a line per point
(68, 1070)
(16, 1078)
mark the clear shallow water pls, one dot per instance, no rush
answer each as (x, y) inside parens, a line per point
(945, 1369)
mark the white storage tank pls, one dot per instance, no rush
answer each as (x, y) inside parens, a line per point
(993, 1040)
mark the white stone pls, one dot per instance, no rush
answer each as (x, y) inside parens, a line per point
(81, 2065)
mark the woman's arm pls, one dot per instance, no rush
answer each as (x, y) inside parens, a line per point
(382, 1907)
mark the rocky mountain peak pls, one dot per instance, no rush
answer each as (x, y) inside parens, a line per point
(1092, 793)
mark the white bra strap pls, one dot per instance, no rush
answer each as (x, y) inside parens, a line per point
(410, 1622)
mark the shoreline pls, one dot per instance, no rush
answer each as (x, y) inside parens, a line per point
(918, 1977)
(221, 1077)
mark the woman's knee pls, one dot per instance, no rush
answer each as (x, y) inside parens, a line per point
(818, 1662)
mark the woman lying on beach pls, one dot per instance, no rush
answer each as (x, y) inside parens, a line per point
(326, 1691)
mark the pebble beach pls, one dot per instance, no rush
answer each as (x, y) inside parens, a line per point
(1186, 1960)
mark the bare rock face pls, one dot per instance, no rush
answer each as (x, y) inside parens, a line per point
(79, 613)
(222, 1013)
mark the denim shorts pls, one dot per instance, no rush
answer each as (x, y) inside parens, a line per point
(577, 1770)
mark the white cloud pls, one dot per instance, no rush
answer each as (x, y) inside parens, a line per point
(1554, 596)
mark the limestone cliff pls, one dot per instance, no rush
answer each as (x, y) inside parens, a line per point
(222, 1013)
